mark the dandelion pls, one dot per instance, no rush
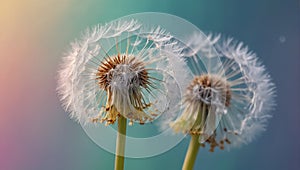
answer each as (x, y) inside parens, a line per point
(228, 99)
(119, 71)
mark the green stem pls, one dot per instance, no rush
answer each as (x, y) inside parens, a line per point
(120, 145)
(191, 154)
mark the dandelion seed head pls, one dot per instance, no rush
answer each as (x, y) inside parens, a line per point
(119, 68)
(230, 95)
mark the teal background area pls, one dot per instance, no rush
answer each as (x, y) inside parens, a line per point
(37, 134)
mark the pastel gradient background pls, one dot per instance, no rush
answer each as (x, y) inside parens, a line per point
(36, 133)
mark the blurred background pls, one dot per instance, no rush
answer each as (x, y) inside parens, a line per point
(36, 133)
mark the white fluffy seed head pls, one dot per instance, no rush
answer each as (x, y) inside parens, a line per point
(94, 86)
(238, 109)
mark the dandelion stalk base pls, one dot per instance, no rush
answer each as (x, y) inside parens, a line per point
(120, 144)
(191, 154)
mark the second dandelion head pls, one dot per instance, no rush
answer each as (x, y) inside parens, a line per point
(229, 96)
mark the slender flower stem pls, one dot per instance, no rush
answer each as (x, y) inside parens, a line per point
(192, 151)
(120, 144)
(191, 154)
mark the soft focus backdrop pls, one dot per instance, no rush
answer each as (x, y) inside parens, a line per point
(35, 132)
